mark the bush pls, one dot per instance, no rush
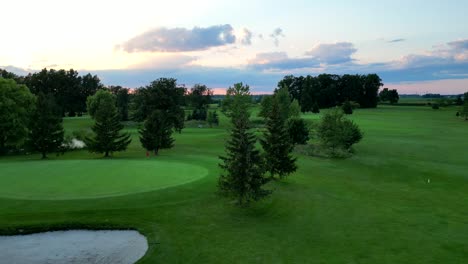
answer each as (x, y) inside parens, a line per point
(337, 132)
(347, 108)
(435, 106)
(315, 108)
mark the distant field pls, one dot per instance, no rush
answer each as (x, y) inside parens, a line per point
(402, 198)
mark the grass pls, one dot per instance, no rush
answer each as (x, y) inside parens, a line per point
(376, 207)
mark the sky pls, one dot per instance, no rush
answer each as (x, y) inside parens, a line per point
(415, 46)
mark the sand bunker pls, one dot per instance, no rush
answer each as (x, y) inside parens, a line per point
(74, 246)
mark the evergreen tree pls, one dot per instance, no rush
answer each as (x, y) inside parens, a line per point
(347, 107)
(298, 131)
(277, 144)
(107, 136)
(157, 132)
(46, 130)
(243, 173)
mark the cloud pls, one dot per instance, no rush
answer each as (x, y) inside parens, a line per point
(247, 38)
(459, 44)
(333, 53)
(181, 39)
(165, 61)
(396, 40)
(280, 61)
(277, 33)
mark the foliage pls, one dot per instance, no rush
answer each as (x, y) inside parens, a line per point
(157, 132)
(46, 131)
(464, 111)
(101, 105)
(277, 143)
(315, 108)
(265, 106)
(389, 95)
(242, 165)
(335, 131)
(294, 109)
(16, 105)
(347, 108)
(162, 94)
(435, 106)
(70, 90)
(107, 137)
(213, 119)
(200, 96)
(298, 131)
(122, 97)
(284, 102)
(328, 90)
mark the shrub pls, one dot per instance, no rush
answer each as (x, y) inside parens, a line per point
(298, 131)
(335, 131)
(435, 106)
(347, 108)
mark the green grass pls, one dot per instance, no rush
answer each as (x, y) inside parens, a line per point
(81, 179)
(376, 207)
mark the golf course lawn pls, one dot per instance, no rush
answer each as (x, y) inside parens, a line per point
(402, 197)
(81, 179)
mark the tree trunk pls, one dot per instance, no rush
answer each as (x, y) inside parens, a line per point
(107, 154)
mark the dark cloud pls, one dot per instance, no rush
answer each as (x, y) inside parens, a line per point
(277, 33)
(335, 53)
(247, 38)
(459, 44)
(280, 61)
(181, 39)
(396, 40)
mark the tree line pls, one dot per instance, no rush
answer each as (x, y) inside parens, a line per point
(329, 90)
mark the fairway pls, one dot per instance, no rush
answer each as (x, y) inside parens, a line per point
(81, 179)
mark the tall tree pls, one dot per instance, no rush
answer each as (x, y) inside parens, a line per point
(242, 165)
(16, 105)
(157, 132)
(122, 101)
(108, 137)
(464, 111)
(277, 143)
(46, 130)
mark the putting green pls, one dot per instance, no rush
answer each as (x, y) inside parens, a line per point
(83, 179)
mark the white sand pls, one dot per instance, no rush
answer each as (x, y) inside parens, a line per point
(74, 246)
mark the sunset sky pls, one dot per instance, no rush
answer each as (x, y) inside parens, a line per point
(415, 46)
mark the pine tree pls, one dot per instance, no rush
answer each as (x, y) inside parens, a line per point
(243, 173)
(46, 130)
(156, 133)
(277, 144)
(108, 138)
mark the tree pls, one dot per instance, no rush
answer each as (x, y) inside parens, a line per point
(213, 119)
(459, 100)
(122, 101)
(101, 105)
(315, 108)
(157, 132)
(389, 95)
(265, 106)
(284, 102)
(298, 131)
(242, 165)
(107, 128)
(46, 130)
(16, 105)
(294, 109)
(347, 108)
(277, 143)
(335, 131)
(162, 94)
